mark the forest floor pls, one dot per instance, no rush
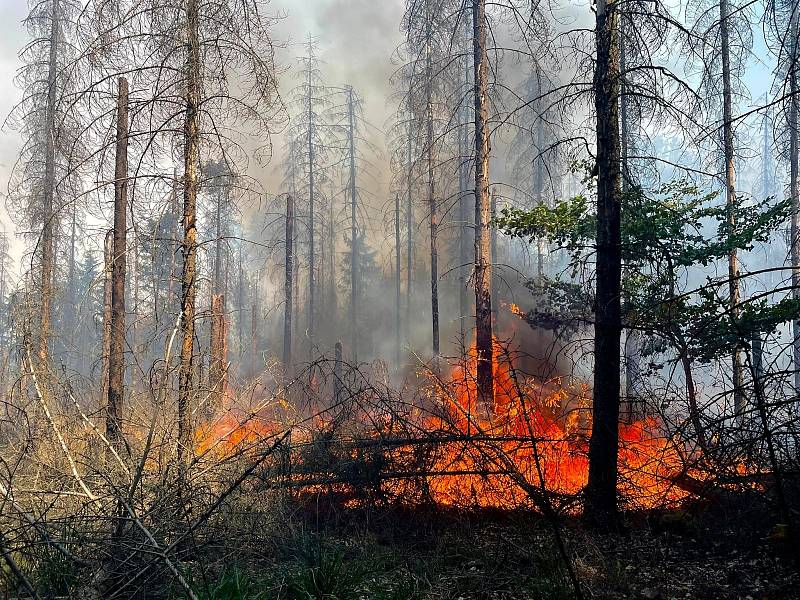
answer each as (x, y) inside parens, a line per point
(459, 556)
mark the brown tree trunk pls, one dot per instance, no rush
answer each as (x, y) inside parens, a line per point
(191, 178)
(218, 367)
(432, 205)
(354, 274)
(794, 187)
(108, 259)
(730, 198)
(48, 215)
(287, 287)
(116, 357)
(397, 282)
(601, 491)
(483, 250)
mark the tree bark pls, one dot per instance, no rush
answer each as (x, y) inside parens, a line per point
(794, 186)
(116, 357)
(218, 367)
(483, 250)
(432, 205)
(397, 243)
(48, 214)
(730, 198)
(108, 259)
(354, 282)
(601, 491)
(191, 157)
(287, 287)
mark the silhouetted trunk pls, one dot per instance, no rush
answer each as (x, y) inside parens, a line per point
(191, 160)
(632, 336)
(432, 206)
(337, 373)
(253, 340)
(794, 186)
(397, 282)
(287, 288)
(108, 259)
(48, 214)
(483, 250)
(730, 198)
(311, 229)
(116, 357)
(601, 491)
(354, 282)
(409, 235)
(218, 366)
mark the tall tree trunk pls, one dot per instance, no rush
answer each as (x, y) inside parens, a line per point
(240, 308)
(191, 178)
(397, 281)
(730, 198)
(539, 176)
(108, 259)
(495, 258)
(432, 206)
(463, 192)
(48, 214)
(632, 336)
(794, 185)
(354, 274)
(218, 367)
(287, 287)
(311, 226)
(116, 357)
(601, 491)
(483, 249)
(409, 231)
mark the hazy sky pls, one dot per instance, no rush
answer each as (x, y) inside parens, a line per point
(356, 40)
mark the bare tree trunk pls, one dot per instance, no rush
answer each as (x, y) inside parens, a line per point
(116, 357)
(48, 215)
(632, 336)
(730, 198)
(495, 259)
(432, 205)
(191, 157)
(108, 259)
(354, 283)
(337, 373)
(218, 367)
(601, 491)
(463, 187)
(397, 281)
(287, 288)
(311, 226)
(794, 187)
(483, 250)
(253, 340)
(409, 235)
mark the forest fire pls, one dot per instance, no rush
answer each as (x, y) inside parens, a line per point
(534, 437)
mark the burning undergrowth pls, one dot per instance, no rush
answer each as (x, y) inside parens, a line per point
(367, 444)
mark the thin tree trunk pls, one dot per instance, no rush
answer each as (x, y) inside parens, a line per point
(409, 235)
(601, 491)
(116, 358)
(354, 282)
(48, 215)
(794, 187)
(191, 157)
(218, 367)
(730, 198)
(495, 258)
(311, 225)
(397, 281)
(432, 207)
(287, 288)
(483, 250)
(253, 340)
(632, 336)
(108, 259)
